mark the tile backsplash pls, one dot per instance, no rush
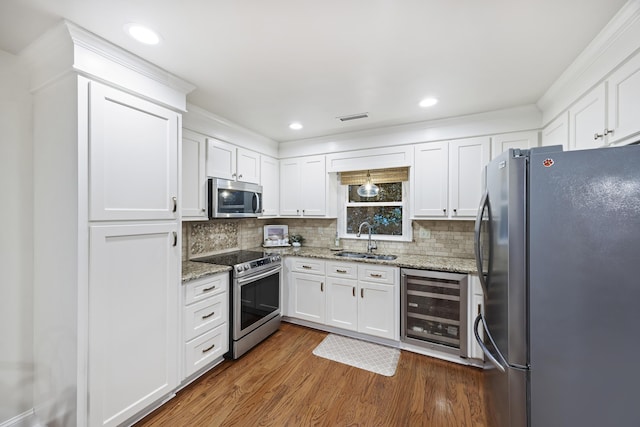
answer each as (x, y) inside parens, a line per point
(438, 238)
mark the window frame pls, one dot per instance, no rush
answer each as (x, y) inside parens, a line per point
(407, 229)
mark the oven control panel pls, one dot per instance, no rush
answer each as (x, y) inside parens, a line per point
(240, 268)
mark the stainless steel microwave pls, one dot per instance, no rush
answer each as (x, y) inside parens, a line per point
(232, 199)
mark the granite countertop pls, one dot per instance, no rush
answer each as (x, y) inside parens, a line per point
(423, 262)
(194, 270)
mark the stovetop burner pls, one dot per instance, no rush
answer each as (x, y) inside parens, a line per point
(232, 258)
(244, 263)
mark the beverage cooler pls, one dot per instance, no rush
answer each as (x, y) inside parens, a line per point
(434, 310)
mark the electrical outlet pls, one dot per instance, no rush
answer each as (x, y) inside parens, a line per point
(425, 233)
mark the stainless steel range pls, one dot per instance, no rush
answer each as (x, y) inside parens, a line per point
(255, 310)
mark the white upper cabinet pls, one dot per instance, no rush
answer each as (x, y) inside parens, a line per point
(303, 186)
(270, 181)
(587, 120)
(133, 157)
(227, 161)
(503, 142)
(447, 177)
(624, 101)
(194, 177)
(467, 159)
(431, 179)
(557, 132)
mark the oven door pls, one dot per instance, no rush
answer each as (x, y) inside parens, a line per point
(256, 301)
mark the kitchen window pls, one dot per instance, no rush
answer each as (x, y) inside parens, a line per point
(387, 211)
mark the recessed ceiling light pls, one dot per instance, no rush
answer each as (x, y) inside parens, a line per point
(142, 34)
(428, 102)
(295, 126)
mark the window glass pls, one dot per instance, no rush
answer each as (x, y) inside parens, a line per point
(383, 211)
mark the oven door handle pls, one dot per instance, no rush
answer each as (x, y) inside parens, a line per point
(244, 280)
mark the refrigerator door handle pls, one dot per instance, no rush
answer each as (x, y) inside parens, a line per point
(484, 348)
(484, 204)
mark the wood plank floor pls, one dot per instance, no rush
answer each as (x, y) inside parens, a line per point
(281, 383)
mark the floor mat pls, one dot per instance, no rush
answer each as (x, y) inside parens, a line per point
(361, 354)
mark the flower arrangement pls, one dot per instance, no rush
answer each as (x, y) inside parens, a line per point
(296, 239)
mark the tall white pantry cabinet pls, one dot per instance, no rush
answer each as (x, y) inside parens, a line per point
(106, 220)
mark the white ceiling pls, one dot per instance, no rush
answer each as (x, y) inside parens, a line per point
(266, 63)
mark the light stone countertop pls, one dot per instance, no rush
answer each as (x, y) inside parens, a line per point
(194, 270)
(422, 262)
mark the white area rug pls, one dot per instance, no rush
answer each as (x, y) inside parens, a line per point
(364, 355)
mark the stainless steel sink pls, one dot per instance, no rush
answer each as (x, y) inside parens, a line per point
(364, 255)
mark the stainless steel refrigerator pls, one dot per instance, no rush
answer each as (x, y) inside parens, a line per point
(558, 248)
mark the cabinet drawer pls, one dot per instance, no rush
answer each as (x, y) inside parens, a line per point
(346, 270)
(204, 315)
(200, 289)
(206, 348)
(308, 265)
(377, 274)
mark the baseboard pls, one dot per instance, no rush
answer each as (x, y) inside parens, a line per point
(26, 419)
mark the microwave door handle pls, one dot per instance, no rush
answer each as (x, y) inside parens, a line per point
(484, 348)
(484, 204)
(257, 206)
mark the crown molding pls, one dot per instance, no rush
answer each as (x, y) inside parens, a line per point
(615, 44)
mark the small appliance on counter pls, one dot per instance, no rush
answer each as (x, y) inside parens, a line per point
(276, 236)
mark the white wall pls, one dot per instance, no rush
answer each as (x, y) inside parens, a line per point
(16, 244)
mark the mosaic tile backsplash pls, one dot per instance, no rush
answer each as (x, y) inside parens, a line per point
(437, 238)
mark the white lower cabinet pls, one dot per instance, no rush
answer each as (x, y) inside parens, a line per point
(133, 319)
(308, 296)
(205, 322)
(476, 306)
(352, 296)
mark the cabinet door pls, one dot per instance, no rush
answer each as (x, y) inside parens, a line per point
(308, 295)
(587, 120)
(313, 176)
(377, 312)
(248, 166)
(431, 179)
(290, 185)
(467, 159)
(624, 107)
(194, 178)
(133, 157)
(270, 181)
(133, 311)
(221, 159)
(342, 303)
(523, 140)
(557, 132)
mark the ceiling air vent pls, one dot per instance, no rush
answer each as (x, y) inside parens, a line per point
(353, 117)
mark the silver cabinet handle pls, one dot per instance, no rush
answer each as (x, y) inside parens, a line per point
(175, 238)
(444, 211)
(376, 275)
(354, 291)
(209, 289)
(205, 350)
(239, 176)
(233, 175)
(307, 267)
(302, 211)
(598, 135)
(362, 293)
(455, 211)
(608, 131)
(175, 203)
(321, 286)
(341, 271)
(206, 316)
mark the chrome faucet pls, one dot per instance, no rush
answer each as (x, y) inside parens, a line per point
(371, 245)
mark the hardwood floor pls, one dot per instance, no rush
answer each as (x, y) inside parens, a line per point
(281, 383)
